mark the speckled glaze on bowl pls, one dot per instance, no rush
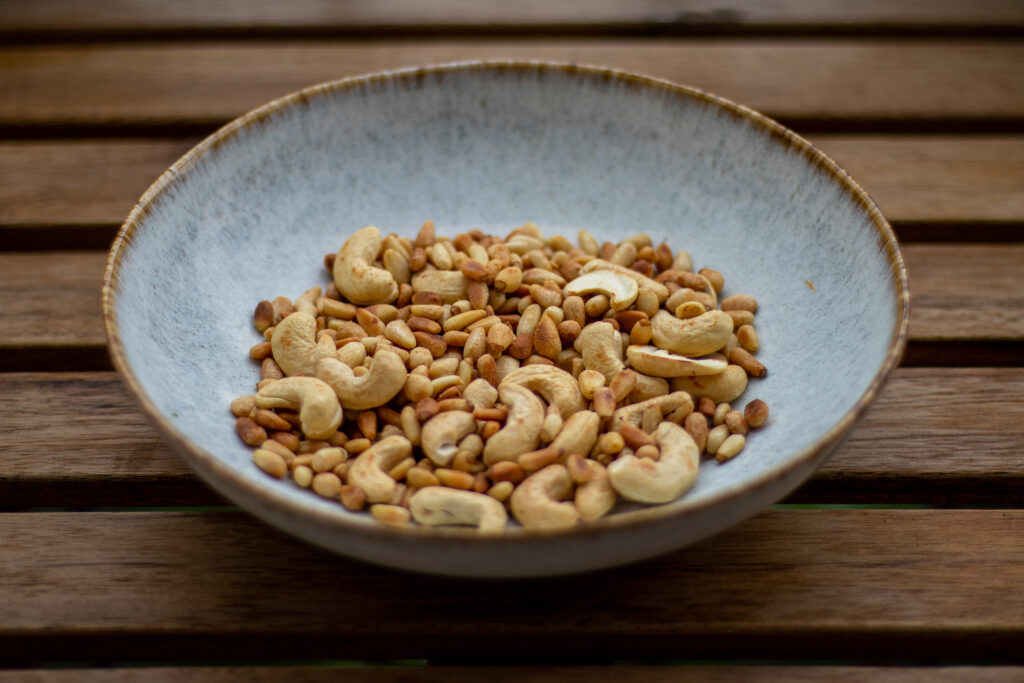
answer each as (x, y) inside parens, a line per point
(249, 213)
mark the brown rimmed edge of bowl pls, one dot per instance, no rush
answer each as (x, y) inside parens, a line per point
(608, 523)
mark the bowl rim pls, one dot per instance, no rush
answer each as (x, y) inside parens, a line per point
(199, 459)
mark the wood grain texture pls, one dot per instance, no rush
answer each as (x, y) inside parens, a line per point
(907, 584)
(206, 84)
(925, 179)
(67, 18)
(934, 437)
(516, 674)
(959, 293)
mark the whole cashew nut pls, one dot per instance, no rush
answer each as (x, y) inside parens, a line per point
(319, 411)
(293, 344)
(706, 333)
(536, 502)
(601, 348)
(662, 363)
(386, 377)
(578, 433)
(596, 496)
(620, 289)
(724, 387)
(658, 481)
(441, 434)
(437, 505)
(369, 471)
(641, 280)
(451, 285)
(633, 414)
(558, 387)
(521, 432)
(355, 275)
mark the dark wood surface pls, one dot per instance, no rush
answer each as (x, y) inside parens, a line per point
(900, 560)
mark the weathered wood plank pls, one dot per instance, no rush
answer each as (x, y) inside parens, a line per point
(908, 584)
(515, 674)
(205, 84)
(958, 293)
(915, 179)
(79, 440)
(65, 18)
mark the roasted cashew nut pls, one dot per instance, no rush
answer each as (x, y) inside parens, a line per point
(642, 280)
(369, 471)
(451, 285)
(319, 411)
(558, 387)
(595, 497)
(521, 432)
(633, 414)
(294, 344)
(658, 481)
(441, 434)
(386, 377)
(620, 289)
(536, 501)
(601, 348)
(661, 363)
(721, 388)
(480, 393)
(706, 333)
(440, 505)
(355, 275)
(578, 433)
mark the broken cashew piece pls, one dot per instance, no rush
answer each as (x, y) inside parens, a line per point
(441, 505)
(370, 470)
(319, 411)
(451, 285)
(537, 503)
(386, 377)
(596, 496)
(521, 432)
(620, 289)
(658, 481)
(706, 333)
(662, 363)
(558, 387)
(480, 393)
(441, 434)
(293, 344)
(356, 277)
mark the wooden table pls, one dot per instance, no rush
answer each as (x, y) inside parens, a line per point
(903, 559)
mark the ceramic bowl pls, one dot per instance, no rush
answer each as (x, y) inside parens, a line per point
(249, 213)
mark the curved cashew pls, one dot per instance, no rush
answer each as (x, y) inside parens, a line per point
(633, 414)
(294, 344)
(436, 505)
(601, 349)
(384, 380)
(706, 333)
(725, 387)
(596, 496)
(620, 289)
(451, 285)
(663, 480)
(521, 432)
(579, 433)
(480, 393)
(662, 363)
(535, 502)
(641, 280)
(370, 470)
(355, 275)
(319, 411)
(442, 433)
(558, 387)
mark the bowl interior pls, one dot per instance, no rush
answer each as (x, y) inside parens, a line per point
(250, 214)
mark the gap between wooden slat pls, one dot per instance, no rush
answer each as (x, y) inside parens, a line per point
(796, 80)
(933, 437)
(63, 19)
(928, 585)
(933, 188)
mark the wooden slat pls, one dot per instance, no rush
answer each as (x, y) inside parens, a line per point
(958, 293)
(915, 179)
(415, 673)
(800, 81)
(815, 584)
(67, 18)
(79, 440)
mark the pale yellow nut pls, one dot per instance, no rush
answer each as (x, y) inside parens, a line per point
(641, 280)
(320, 413)
(327, 484)
(558, 387)
(294, 344)
(661, 363)
(356, 277)
(697, 336)
(370, 470)
(537, 503)
(521, 432)
(620, 289)
(595, 497)
(663, 480)
(395, 515)
(441, 505)
(726, 386)
(441, 434)
(450, 285)
(270, 462)
(386, 377)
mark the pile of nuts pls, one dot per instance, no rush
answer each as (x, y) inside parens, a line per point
(450, 381)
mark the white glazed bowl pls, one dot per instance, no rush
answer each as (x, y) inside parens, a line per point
(249, 213)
